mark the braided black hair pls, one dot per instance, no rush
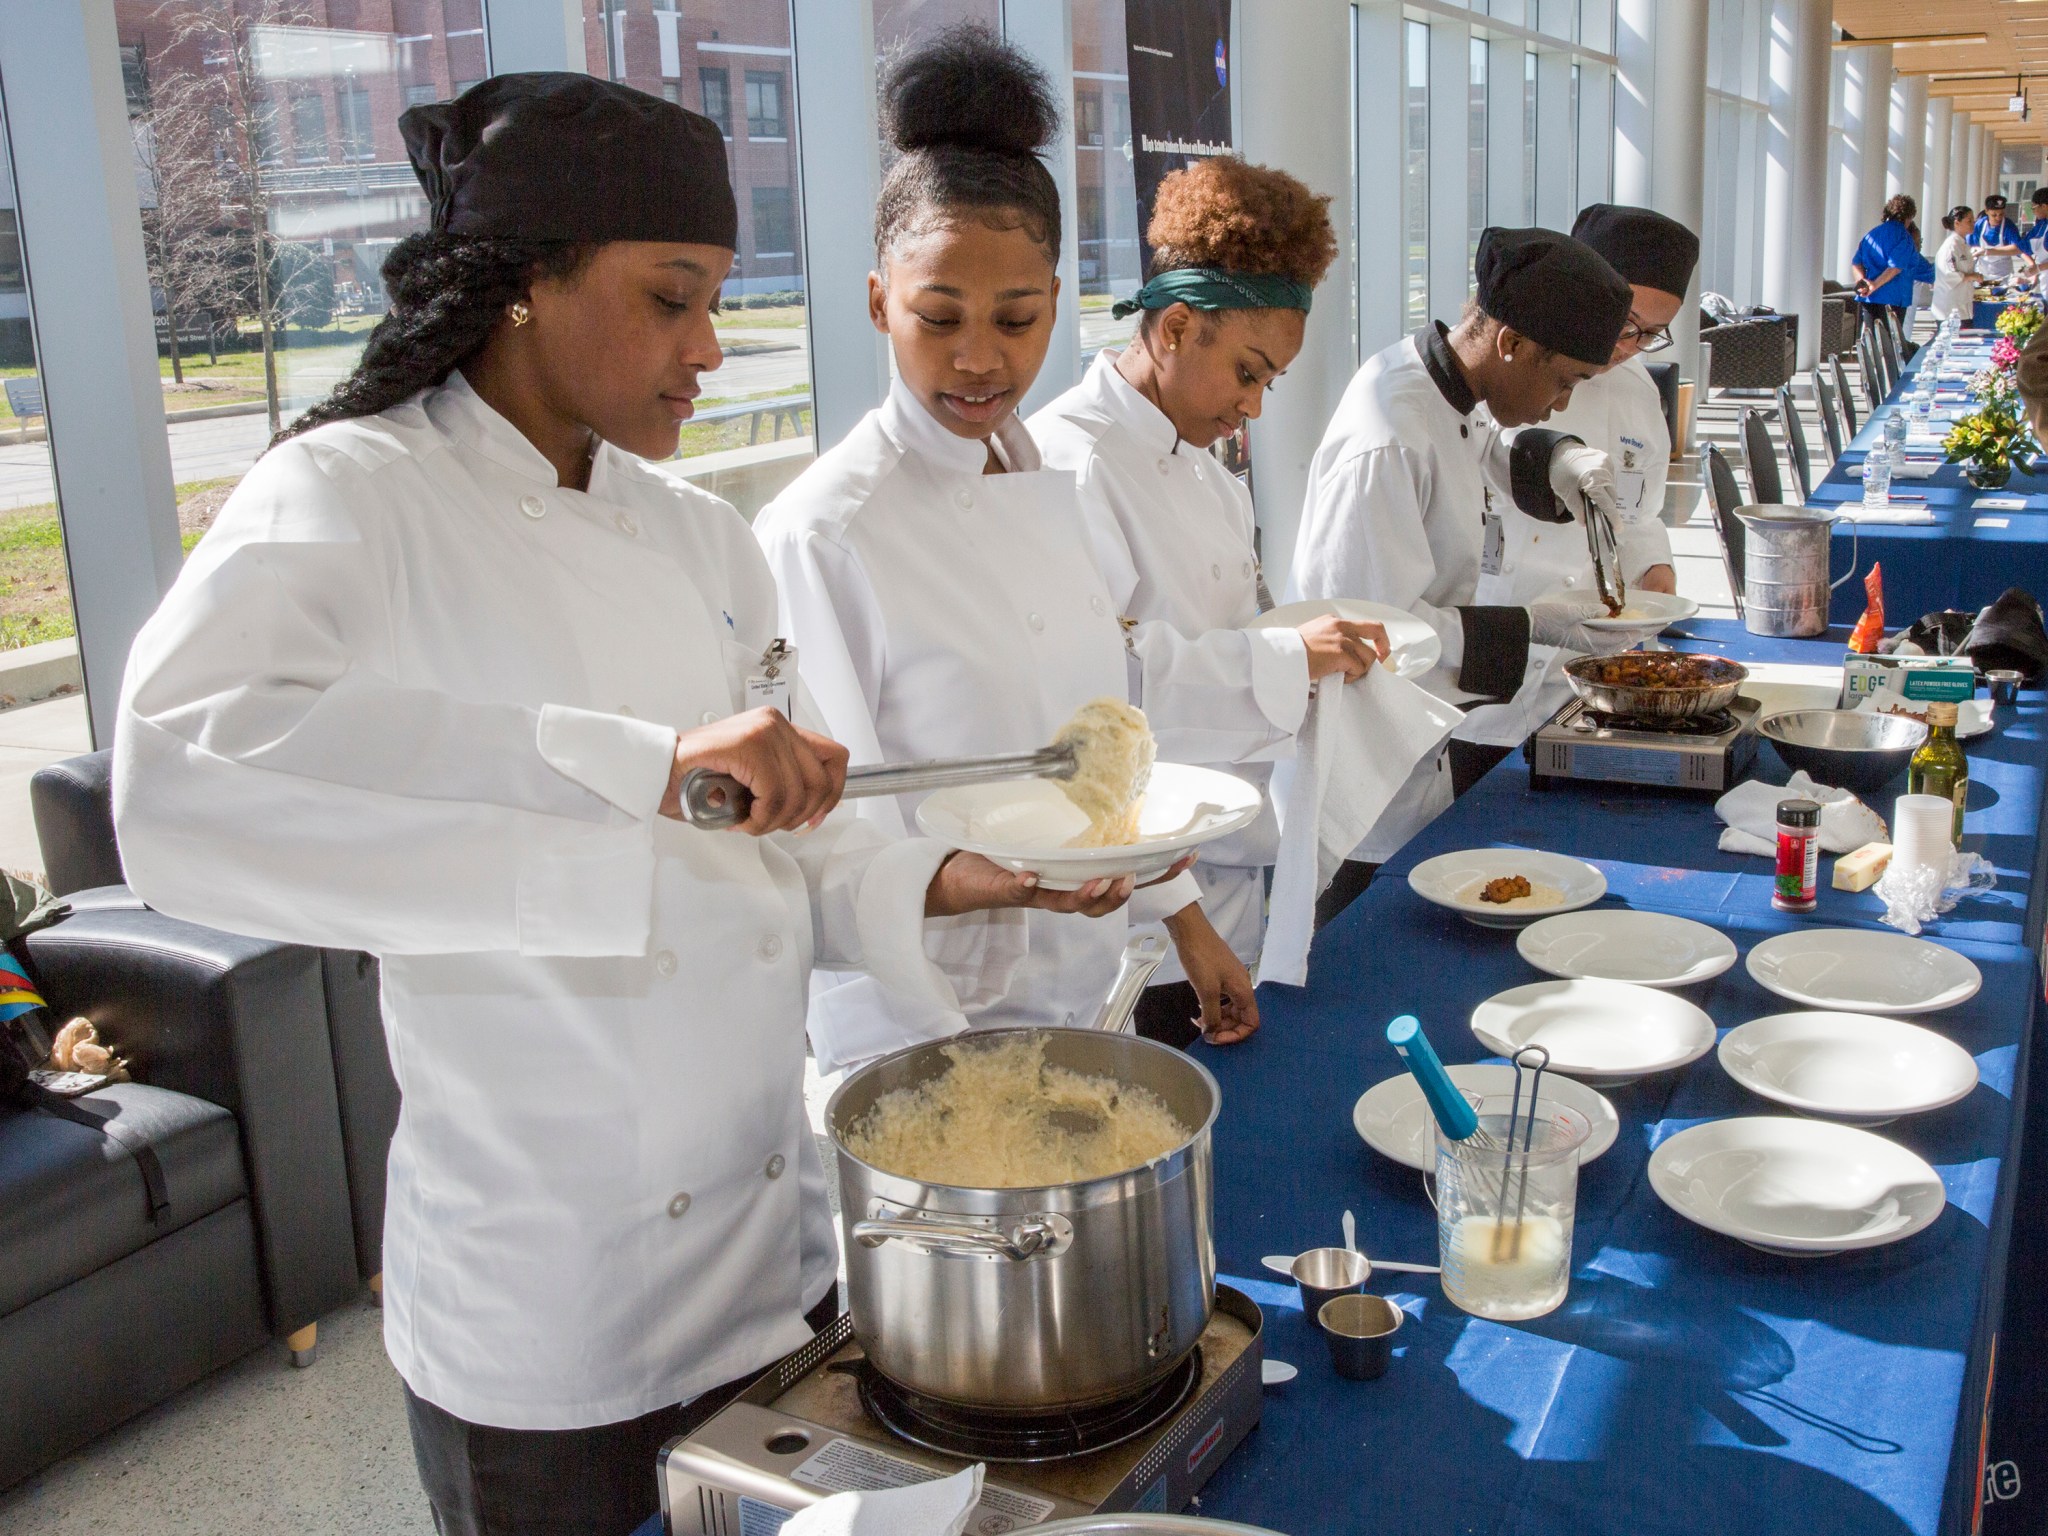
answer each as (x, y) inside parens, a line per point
(448, 293)
(968, 115)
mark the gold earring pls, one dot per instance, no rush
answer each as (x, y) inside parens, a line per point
(520, 313)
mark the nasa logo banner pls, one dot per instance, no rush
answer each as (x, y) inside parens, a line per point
(1179, 63)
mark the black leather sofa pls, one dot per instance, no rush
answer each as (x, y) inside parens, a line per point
(263, 1088)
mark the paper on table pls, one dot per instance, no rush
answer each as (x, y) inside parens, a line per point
(1895, 512)
(1921, 468)
(2000, 504)
(937, 1508)
(1361, 748)
(1751, 811)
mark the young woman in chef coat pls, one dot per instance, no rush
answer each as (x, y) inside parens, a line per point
(939, 582)
(1619, 412)
(1955, 266)
(1399, 494)
(1237, 251)
(428, 689)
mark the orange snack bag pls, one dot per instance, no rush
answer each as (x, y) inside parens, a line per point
(1869, 631)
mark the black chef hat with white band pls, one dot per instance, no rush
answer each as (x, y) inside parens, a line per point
(1644, 246)
(1554, 290)
(558, 156)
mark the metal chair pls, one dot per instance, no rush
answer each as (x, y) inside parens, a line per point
(1888, 348)
(1830, 424)
(1795, 443)
(1843, 398)
(1724, 496)
(1874, 386)
(1761, 455)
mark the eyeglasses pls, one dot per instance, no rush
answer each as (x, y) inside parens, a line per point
(1648, 338)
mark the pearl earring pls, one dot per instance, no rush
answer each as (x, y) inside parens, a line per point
(520, 313)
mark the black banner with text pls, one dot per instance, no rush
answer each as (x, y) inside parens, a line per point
(1179, 62)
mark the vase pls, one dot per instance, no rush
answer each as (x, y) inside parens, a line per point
(1988, 477)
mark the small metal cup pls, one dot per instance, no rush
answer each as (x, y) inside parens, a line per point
(2005, 685)
(1325, 1272)
(1360, 1331)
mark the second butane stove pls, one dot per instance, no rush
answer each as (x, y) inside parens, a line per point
(821, 1423)
(1707, 752)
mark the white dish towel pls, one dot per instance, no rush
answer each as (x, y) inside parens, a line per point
(1355, 753)
(1751, 811)
(938, 1508)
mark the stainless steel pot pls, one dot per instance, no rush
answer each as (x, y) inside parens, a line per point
(1026, 1299)
(1669, 685)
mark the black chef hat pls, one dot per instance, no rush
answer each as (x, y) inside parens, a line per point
(1995, 200)
(1556, 291)
(570, 157)
(1641, 244)
(2040, 196)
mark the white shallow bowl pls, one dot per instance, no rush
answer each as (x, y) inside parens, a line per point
(1641, 612)
(1454, 880)
(1801, 1187)
(1858, 971)
(1412, 646)
(1651, 949)
(1598, 1031)
(1851, 1066)
(1394, 1119)
(1024, 824)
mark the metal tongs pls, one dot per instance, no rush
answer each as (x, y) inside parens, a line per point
(1606, 552)
(715, 801)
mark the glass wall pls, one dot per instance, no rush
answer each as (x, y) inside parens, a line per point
(732, 61)
(1738, 43)
(1475, 149)
(1105, 209)
(1415, 175)
(1528, 138)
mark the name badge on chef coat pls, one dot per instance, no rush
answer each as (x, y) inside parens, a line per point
(1493, 550)
(1630, 482)
(772, 686)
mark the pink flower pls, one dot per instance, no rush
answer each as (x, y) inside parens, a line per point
(2004, 354)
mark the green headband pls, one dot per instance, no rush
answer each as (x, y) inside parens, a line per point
(1214, 288)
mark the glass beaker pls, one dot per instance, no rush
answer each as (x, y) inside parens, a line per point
(1504, 1214)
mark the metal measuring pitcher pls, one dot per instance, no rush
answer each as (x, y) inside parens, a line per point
(1785, 583)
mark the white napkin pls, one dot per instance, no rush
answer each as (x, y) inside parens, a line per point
(1354, 755)
(937, 1508)
(1916, 467)
(1894, 512)
(1751, 811)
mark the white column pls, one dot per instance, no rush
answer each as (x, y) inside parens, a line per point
(840, 160)
(1557, 153)
(1907, 162)
(1876, 123)
(1959, 188)
(1678, 186)
(1635, 121)
(1450, 117)
(535, 34)
(1843, 142)
(1506, 106)
(1045, 30)
(81, 238)
(1935, 199)
(1293, 70)
(1980, 183)
(1796, 165)
(1380, 126)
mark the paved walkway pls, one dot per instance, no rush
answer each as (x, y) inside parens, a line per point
(31, 736)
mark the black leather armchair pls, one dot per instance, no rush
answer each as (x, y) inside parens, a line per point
(1751, 352)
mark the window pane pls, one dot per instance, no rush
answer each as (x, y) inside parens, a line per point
(1106, 193)
(1415, 176)
(1475, 152)
(1572, 159)
(731, 61)
(1528, 139)
(901, 25)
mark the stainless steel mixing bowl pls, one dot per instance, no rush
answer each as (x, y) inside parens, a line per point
(1857, 750)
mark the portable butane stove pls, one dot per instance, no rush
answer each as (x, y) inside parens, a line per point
(822, 1422)
(1706, 752)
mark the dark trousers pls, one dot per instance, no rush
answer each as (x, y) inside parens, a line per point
(1170, 1013)
(484, 1481)
(1469, 764)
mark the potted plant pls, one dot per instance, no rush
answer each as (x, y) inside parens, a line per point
(1986, 441)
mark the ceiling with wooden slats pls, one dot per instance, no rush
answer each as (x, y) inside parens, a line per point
(1976, 75)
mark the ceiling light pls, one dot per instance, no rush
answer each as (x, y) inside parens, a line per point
(1916, 40)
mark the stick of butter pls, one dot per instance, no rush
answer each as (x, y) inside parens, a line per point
(1860, 870)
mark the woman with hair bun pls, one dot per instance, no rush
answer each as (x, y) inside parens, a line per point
(1237, 251)
(938, 579)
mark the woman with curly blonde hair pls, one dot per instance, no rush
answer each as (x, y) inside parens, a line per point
(1237, 251)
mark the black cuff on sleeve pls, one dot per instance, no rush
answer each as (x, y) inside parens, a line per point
(1496, 651)
(1529, 473)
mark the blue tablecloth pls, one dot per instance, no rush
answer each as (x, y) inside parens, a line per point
(1962, 560)
(1688, 1381)
(1984, 313)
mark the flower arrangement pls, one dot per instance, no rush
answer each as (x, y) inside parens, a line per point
(1987, 440)
(2005, 354)
(1997, 386)
(2019, 322)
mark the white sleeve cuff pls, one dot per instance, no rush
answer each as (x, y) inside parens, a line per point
(591, 892)
(616, 757)
(1156, 903)
(898, 948)
(1280, 676)
(1643, 545)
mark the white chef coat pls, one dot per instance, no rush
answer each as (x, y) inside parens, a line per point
(1396, 513)
(1619, 412)
(1955, 276)
(942, 612)
(411, 696)
(1172, 532)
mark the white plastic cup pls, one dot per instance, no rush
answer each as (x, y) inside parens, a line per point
(1921, 828)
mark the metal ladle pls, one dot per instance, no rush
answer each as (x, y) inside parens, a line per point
(716, 801)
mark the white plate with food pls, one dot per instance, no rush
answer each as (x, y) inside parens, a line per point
(1858, 971)
(1601, 1032)
(1029, 824)
(1507, 887)
(1412, 646)
(1651, 949)
(1857, 1067)
(1643, 611)
(1792, 1186)
(1394, 1119)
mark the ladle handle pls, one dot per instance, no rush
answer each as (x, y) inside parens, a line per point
(1047, 1233)
(1142, 956)
(714, 801)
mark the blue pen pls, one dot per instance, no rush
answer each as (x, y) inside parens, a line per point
(1452, 1110)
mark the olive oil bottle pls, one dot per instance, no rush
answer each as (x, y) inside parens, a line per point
(1939, 767)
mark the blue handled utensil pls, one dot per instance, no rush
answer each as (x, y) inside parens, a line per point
(1453, 1112)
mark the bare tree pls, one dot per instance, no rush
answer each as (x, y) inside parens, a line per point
(244, 109)
(186, 236)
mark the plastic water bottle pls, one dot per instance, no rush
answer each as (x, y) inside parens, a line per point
(1923, 398)
(1877, 479)
(1895, 438)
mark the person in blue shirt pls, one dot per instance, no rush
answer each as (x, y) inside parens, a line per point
(1889, 262)
(2034, 238)
(1997, 240)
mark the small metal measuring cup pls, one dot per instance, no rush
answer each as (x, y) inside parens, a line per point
(1324, 1273)
(1360, 1331)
